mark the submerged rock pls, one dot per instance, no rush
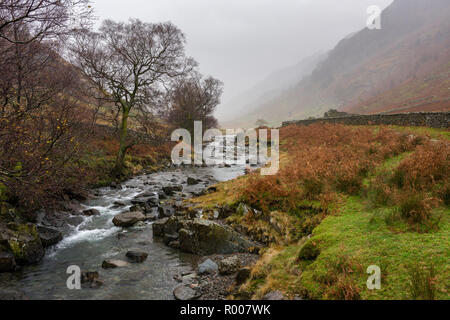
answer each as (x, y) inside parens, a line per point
(128, 219)
(192, 181)
(49, 236)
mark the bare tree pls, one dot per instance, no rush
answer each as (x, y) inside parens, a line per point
(130, 64)
(194, 99)
(42, 18)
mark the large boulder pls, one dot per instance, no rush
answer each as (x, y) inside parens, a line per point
(203, 237)
(49, 236)
(128, 219)
(7, 262)
(23, 242)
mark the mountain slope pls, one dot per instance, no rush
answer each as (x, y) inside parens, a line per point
(413, 42)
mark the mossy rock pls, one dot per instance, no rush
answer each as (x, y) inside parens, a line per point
(23, 241)
(309, 251)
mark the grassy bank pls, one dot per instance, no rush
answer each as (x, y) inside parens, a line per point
(344, 199)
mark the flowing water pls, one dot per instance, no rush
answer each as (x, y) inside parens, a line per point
(86, 245)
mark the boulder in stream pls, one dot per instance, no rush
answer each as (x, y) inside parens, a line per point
(128, 219)
(137, 256)
(49, 236)
(112, 264)
(91, 212)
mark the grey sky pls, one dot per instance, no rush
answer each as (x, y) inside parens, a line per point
(242, 41)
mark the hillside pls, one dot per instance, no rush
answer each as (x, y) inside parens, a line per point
(268, 89)
(414, 42)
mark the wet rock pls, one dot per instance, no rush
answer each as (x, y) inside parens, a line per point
(74, 221)
(112, 264)
(203, 237)
(135, 208)
(118, 204)
(170, 190)
(91, 279)
(274, 296)
(137, 256)
(185, 292)
(229, 265)
(7, 262)
(192, 181)
(49, 236)
(91, 212)
(243, 275)
(159, 228)
(128, 219)
(23, 242)
(208, 267)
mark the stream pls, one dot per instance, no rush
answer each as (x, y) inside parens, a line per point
(88, 244)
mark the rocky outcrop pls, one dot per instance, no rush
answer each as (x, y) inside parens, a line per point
(22, 241)
(128, 219)
(202, 237)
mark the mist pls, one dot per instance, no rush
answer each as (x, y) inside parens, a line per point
(242, 42)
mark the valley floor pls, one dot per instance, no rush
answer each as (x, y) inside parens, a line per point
(347, 198)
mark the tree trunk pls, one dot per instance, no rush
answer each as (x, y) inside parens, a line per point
(123, 143)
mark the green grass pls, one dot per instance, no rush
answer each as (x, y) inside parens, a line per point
(367, 240)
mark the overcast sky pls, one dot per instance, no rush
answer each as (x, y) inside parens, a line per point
(242, 41)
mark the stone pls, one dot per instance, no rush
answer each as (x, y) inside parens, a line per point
(203, 237)
(192, 181)
(229, 265)
(23, 241)
(49, 236)
(7, 262)
(208, 267)
(137, 256)
(128, 219)
(185, 292)
(170, 190)
(112, 264)
(274, 296)
(243, 275)
(91, 212)
(89, 276)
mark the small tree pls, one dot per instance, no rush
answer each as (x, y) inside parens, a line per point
(194, 99)
(129, 64)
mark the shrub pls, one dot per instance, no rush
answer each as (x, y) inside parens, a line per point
(415, 208)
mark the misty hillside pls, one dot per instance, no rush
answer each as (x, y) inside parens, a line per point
(414, 43)
(268, 89)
